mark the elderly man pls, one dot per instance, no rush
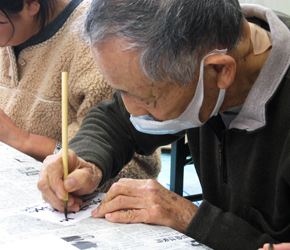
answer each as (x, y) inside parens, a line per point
(206, 68)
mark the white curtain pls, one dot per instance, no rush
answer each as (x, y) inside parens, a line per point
(279, 5)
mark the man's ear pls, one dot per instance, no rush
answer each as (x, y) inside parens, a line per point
(32, 7)
(225, 68)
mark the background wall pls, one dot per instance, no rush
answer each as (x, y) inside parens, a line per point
(279, 5)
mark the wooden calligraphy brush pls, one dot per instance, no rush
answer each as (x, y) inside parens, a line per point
(64, 105)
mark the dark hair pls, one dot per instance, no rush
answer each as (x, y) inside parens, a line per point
(171, 35)
(47, 8)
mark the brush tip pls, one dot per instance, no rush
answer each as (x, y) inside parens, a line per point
(65, 209)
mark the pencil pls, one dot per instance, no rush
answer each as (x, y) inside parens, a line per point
(64, 105)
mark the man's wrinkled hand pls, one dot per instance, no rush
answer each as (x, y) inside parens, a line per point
(145, 201)
(83, 178)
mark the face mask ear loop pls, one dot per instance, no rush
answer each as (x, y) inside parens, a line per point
(222, 92)
(219, 102)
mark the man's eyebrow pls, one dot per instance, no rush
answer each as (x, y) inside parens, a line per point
(131, 95)
(127, 93)
(124, 92)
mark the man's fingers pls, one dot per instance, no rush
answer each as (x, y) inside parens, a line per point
(131, 187)
(147, 216)
(82, 181)
(74, 203)
(51, 185)
(50, 197)
(77, 181)
(127, 194)
(147, 201)
(129, 216)
(51, 178)
(120, 203)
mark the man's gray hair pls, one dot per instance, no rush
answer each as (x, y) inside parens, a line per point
(171, 35)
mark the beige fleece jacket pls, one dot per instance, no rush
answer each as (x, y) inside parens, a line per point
(30, 87)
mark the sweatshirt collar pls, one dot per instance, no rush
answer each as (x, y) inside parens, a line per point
(253, 113)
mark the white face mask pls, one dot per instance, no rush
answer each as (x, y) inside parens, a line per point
(189, 118)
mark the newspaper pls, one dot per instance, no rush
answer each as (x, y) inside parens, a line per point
(18, 190)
